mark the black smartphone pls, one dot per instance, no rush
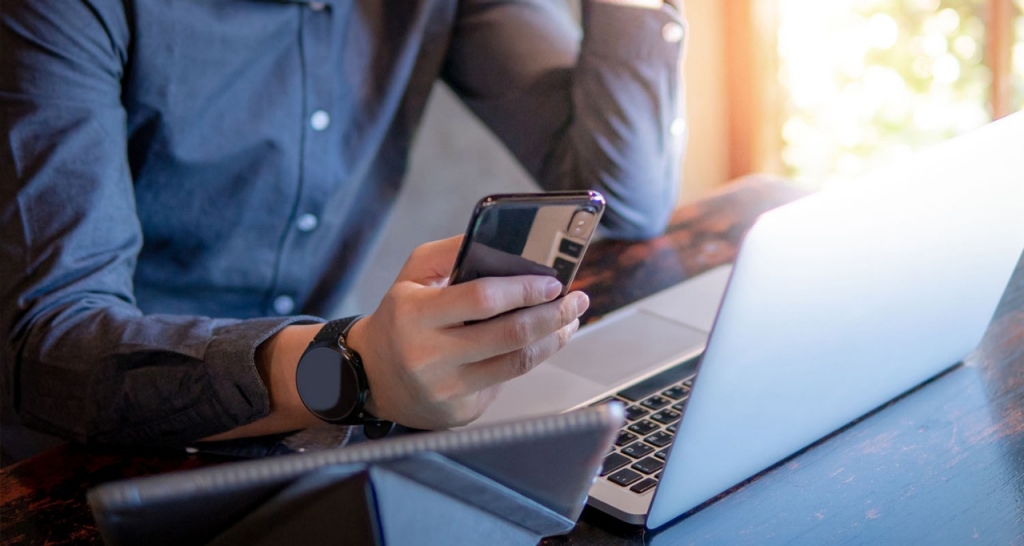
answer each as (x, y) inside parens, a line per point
(529, 234)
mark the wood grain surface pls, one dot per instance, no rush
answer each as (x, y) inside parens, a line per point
(943, 464)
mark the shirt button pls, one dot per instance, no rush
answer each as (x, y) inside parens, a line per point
(307, 223)
(317, 6)
(284, 305)
(672, 32)
(319, 120)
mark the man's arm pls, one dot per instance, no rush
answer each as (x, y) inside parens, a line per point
(426, 367)
(604, 112)
(79, 359)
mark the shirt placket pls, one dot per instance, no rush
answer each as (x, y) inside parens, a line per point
(319, 166)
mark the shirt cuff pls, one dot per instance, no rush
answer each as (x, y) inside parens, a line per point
(231, 358)
(632, 32)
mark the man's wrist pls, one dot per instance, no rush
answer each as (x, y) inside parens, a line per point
(357, 341)
(276, 361)
(332, 382)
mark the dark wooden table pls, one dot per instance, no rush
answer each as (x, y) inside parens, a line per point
(943, 464)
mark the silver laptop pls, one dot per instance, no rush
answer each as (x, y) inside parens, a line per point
(836, 304)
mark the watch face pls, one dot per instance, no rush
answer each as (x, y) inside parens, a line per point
(326, 383)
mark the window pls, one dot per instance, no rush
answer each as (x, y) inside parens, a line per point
(1018, 57)
(864, 82)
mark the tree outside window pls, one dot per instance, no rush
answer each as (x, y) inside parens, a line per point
(869, 81)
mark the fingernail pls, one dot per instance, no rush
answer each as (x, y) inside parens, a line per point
(552, 289)
(582, 303)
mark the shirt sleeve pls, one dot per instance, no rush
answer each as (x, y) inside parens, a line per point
(79, 359)
(599, 112)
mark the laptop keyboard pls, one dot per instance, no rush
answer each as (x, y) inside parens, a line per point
(653, 409)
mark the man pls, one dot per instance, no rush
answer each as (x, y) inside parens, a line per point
(168, 162)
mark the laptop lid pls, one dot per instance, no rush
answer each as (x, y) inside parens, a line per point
(843, 301)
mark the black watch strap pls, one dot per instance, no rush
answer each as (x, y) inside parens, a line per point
(337, 331)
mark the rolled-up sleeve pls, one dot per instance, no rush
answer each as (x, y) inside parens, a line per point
(603, 111)
(80, 360)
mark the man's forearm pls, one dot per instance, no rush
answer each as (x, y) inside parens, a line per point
(603, 113)
(276, 360)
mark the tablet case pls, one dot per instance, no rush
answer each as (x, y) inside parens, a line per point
(515, 482)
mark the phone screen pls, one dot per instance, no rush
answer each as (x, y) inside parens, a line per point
(529, 234)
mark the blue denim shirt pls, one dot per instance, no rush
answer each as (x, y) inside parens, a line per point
(180, 180)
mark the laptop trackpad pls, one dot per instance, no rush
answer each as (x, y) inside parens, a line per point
(618, 348)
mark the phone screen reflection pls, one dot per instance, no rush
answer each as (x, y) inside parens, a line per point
(525, 239)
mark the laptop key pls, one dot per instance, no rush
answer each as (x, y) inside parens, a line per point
(666, 416)
(613, 462)
(624, 438)
(672, 428)
(678, 406)
(643, 428)
(655, 384)
(650, 465)
(675, 393)
(655, 402)
(659, 439)
(644, 485)
(635, 412)
(663, 454)
(638, 450)
(624, 477)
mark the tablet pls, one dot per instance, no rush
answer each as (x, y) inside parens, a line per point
(548, 463)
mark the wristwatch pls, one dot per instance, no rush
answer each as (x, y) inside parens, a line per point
(332, 383)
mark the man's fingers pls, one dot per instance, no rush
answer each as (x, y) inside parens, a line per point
(513, 331)
(433, 260)
(498, 369)
(487, 297)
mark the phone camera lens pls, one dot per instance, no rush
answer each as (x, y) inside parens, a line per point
(581, 224)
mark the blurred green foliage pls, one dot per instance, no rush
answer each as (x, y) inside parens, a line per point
(869, 81)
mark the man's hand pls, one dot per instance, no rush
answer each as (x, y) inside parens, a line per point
(427, 368)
